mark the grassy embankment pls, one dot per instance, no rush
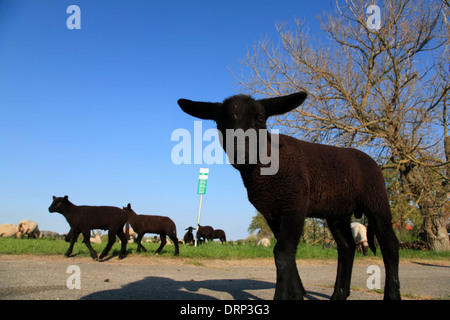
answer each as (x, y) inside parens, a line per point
(209, 250)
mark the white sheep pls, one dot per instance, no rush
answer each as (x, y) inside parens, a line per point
(131, 233)
(264, 242)
(8, 230)
(96, 238)
(359, 232)
(29, 228)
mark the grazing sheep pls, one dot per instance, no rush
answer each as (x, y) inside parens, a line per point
(359, 233)
(29, 228)
(209, 233)
(264, 242)
(189, 236)
(291, 179)
(8, 230)
(96, 239)
(50, 235)
(204, 232)
(143, 224)
(219, 234)
(82, 219)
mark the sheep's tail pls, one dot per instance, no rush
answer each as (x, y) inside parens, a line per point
(370, 238)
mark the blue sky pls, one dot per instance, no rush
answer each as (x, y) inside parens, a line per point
(89, 113)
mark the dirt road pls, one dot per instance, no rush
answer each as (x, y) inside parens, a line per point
(48, 277)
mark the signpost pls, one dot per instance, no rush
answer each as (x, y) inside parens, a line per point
(202, 180)
(201, 190)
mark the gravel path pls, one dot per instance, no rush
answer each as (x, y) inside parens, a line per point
(163, 278)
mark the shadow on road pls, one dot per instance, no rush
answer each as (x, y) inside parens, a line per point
(160, 288)
(430, 264)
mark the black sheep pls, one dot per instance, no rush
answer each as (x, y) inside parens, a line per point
(310, 180)
(82, 219)
(189, 236)
(204, 232)
(219, 234)
(142, 224)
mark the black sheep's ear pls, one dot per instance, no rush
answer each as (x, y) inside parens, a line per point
(129, 206)
(202, 110)
(280, 105)
(66, 197)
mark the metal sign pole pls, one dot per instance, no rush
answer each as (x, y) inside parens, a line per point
(198, 217)
(201, 190)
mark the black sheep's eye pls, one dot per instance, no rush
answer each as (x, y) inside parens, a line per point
(260, 119)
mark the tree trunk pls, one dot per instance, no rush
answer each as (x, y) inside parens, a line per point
(434, 229)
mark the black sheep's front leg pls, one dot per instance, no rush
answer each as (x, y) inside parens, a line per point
(288, 286)
(342, 234)
(162, 236)
(111, 240)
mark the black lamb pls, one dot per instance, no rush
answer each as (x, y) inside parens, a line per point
(82, 219)
(310, 180)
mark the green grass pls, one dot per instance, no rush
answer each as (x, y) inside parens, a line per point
(213, 250)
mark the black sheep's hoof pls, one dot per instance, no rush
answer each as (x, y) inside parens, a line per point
(339, 296)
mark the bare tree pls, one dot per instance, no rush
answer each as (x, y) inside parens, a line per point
(384, 91)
